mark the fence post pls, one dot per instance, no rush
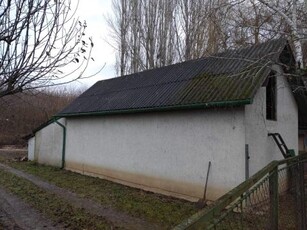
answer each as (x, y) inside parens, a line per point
(300, 195)
(273, 188)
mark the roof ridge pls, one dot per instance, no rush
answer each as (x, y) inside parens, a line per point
(198, 81)
(215, 55)
(199, 75)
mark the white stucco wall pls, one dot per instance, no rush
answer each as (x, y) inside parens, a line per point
(49, 143)
(166, 152)
(31, 148)
(262, 148)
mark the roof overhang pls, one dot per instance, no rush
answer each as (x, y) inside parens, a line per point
(217, 104)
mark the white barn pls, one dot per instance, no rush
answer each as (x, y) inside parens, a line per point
(159, 129)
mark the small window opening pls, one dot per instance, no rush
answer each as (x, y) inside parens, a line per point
(271, 98)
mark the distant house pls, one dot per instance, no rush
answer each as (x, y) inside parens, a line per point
(159, 129)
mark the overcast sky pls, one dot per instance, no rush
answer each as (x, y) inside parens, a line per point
(94, 12)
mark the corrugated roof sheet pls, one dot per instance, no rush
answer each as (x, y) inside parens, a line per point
(232, 76)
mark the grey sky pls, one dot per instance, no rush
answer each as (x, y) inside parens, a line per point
(94, 12)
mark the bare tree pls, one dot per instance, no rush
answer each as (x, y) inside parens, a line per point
(254, 21)
(157, 33)
(154, 33)
(292, 21)
(144, 34)
(192, 19)
(38, 38)
(119, 26)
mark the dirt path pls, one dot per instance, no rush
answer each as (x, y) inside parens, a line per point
(6, 222)
(117, 217)
(15, 214)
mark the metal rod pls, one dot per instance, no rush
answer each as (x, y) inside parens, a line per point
(208, 171)
(246, 162)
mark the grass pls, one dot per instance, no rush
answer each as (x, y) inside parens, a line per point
(152, 207)
(58, 210)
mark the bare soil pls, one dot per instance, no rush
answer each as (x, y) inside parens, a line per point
(16, 214)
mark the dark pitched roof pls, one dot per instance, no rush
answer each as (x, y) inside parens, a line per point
(228, 78)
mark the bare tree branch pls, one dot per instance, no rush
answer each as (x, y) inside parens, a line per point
(38, 38)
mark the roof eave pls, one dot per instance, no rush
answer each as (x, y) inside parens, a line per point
(233, 103)
(40, 127)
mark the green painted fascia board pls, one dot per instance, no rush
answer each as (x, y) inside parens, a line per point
(160, 109)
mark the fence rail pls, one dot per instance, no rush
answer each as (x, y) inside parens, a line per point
(273, 198)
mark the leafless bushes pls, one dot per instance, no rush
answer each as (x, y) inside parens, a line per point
(23, 112)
